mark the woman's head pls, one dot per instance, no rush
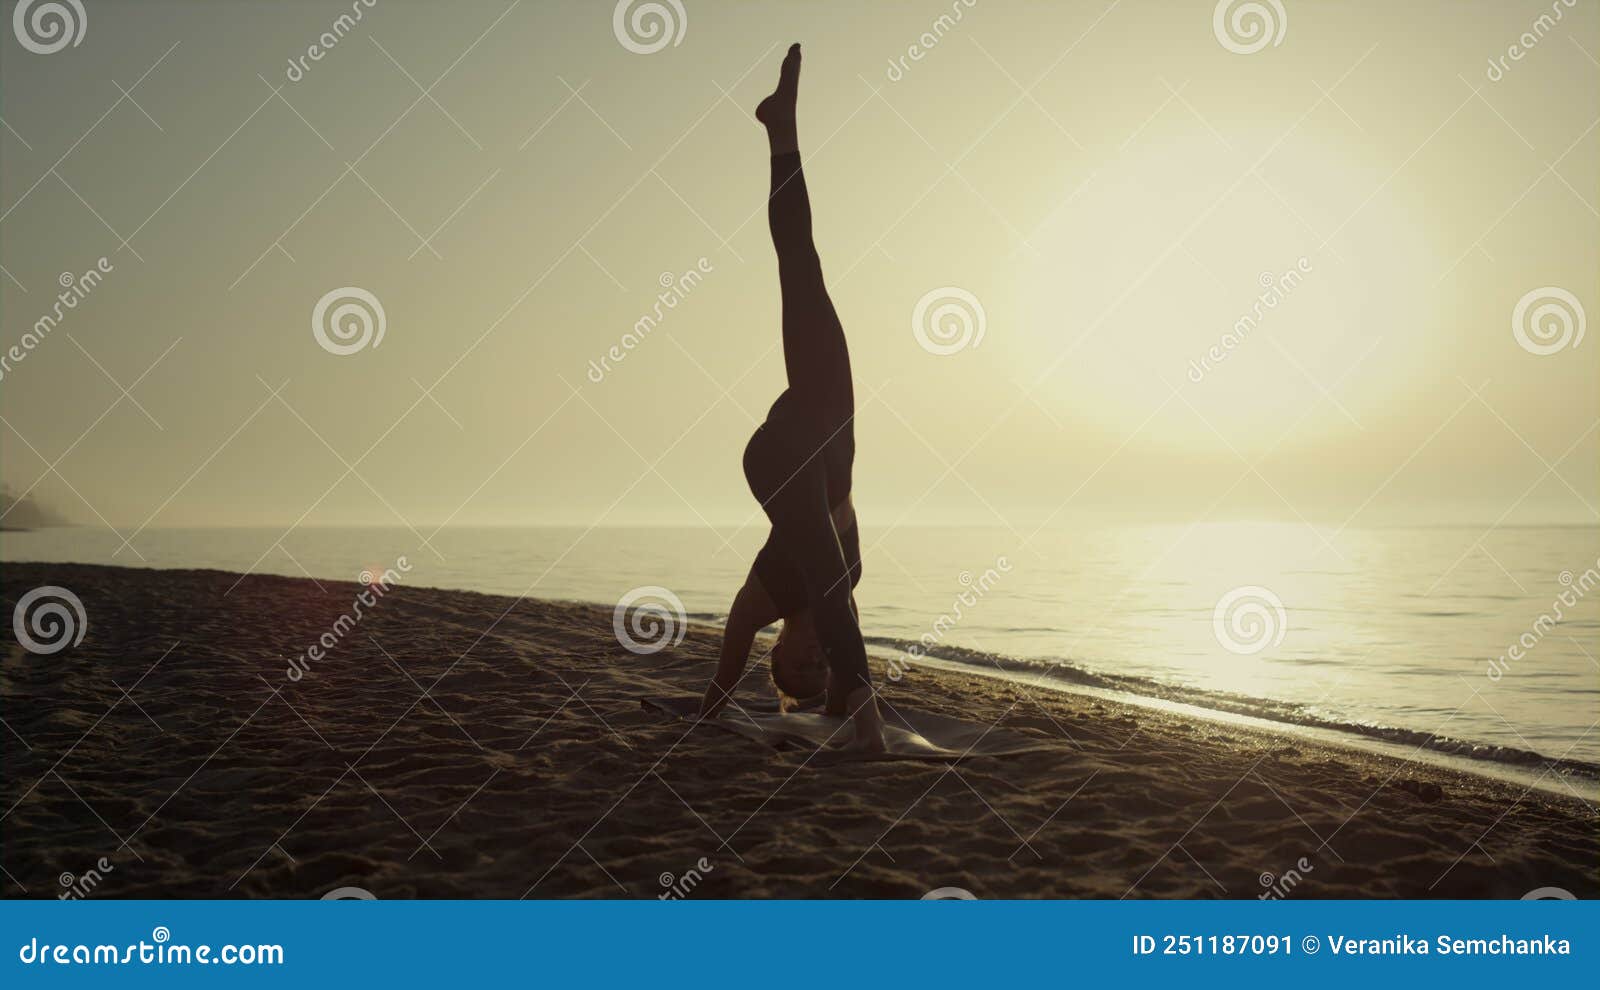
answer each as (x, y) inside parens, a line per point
(799, 667)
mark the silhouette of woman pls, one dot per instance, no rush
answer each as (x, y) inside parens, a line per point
(798, 465)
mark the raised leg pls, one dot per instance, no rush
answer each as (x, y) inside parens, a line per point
(815, 355)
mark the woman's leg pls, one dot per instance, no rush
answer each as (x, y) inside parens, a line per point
(814, 351)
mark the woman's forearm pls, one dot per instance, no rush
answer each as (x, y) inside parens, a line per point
(736, 643)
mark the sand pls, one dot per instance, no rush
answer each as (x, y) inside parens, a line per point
(457, 745)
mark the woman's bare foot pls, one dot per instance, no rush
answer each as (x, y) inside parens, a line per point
(777, 112)
(866, 721)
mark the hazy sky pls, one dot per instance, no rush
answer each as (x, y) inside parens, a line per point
(1109, 181)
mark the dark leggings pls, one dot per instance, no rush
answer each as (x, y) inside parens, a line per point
(799, 462)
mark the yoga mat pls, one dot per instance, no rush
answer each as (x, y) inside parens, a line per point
(910, 734)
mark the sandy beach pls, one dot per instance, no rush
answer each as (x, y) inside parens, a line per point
(458, 745)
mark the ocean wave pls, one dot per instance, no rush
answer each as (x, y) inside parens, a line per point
(1285, 712)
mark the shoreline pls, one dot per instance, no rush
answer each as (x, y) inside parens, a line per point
(1493, 760)
(457, 744)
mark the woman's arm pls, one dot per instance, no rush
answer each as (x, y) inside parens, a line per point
(752, 610)
(835, 703)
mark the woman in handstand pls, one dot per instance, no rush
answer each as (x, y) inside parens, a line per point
(798, 466)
